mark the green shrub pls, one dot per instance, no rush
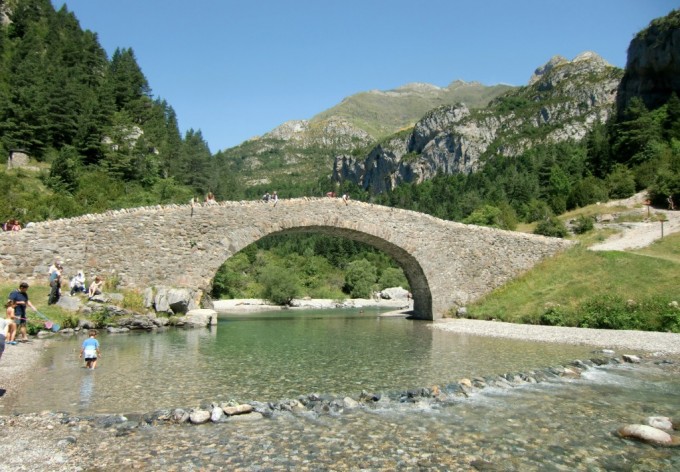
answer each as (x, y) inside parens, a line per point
(583, 224)
(621, 182)
(279, 286)
(610, 312)
(32, 328)
(554, 315)
(101, 318)
(360, 278)
(587, 191)
(112, 282)
(392, 277)
(133, 300)
(670, 321)
(551, 226)
(69, 321)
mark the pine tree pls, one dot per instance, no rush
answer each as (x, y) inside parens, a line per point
(195, 158)
(671, 123)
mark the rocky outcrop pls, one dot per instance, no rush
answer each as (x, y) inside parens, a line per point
(335, 132)
(199, 318)
(562, 102)
(653, 65)
(171, 300)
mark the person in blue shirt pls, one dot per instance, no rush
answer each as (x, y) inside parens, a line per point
(90, 350)
(20, 297)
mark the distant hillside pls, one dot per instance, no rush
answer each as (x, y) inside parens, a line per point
(297, 156)
(381, 113)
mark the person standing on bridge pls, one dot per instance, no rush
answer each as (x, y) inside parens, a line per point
(193, 202)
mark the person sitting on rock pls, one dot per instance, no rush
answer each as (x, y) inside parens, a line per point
(95, 287)
(78, 283)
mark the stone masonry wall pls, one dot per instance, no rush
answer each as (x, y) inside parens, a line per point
(447, 264)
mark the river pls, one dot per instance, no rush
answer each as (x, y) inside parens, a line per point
(563, 424)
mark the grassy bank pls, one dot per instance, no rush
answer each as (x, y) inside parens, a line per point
(37, 294)
(608, 289)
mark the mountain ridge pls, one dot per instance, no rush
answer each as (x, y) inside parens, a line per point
(563, 100)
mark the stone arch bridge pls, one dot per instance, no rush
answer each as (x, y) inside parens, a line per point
(447, 264)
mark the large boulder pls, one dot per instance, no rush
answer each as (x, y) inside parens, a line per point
(137, 321)
(394, 293)
(200, 317)
(648, 434)
(172, 300)
(69, 303)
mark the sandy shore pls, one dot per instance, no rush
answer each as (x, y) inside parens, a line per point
(15, 362)
(648, 341)
(246, 305)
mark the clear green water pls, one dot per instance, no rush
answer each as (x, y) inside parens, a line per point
(562, 425)
(270, 357)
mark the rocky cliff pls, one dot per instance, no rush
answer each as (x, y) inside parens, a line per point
(333, 132)
(562, 102)
(299, 153)
(653, 66)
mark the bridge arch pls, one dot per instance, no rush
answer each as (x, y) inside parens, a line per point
(448, 264)
(422, 297)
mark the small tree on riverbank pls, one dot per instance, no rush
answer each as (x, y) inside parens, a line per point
(279, 286)
(360, 278)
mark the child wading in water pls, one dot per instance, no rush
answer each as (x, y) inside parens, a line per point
(90, 350)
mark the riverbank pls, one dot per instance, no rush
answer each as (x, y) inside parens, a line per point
(655, 343)
(247, 305)
(16, 361)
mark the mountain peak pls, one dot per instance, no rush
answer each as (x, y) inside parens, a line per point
(418, 86)
(586, 57)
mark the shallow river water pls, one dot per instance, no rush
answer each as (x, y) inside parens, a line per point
(272, 356)
(558, 425)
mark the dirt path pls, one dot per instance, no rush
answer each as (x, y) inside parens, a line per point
(635, 235)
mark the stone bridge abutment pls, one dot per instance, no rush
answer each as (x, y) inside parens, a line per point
(447, 264)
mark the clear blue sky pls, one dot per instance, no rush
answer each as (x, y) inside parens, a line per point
(237, 69)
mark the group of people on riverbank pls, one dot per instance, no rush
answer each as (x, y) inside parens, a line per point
(77, 283)
(11, 225)
(16, 319)
(271, 197)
